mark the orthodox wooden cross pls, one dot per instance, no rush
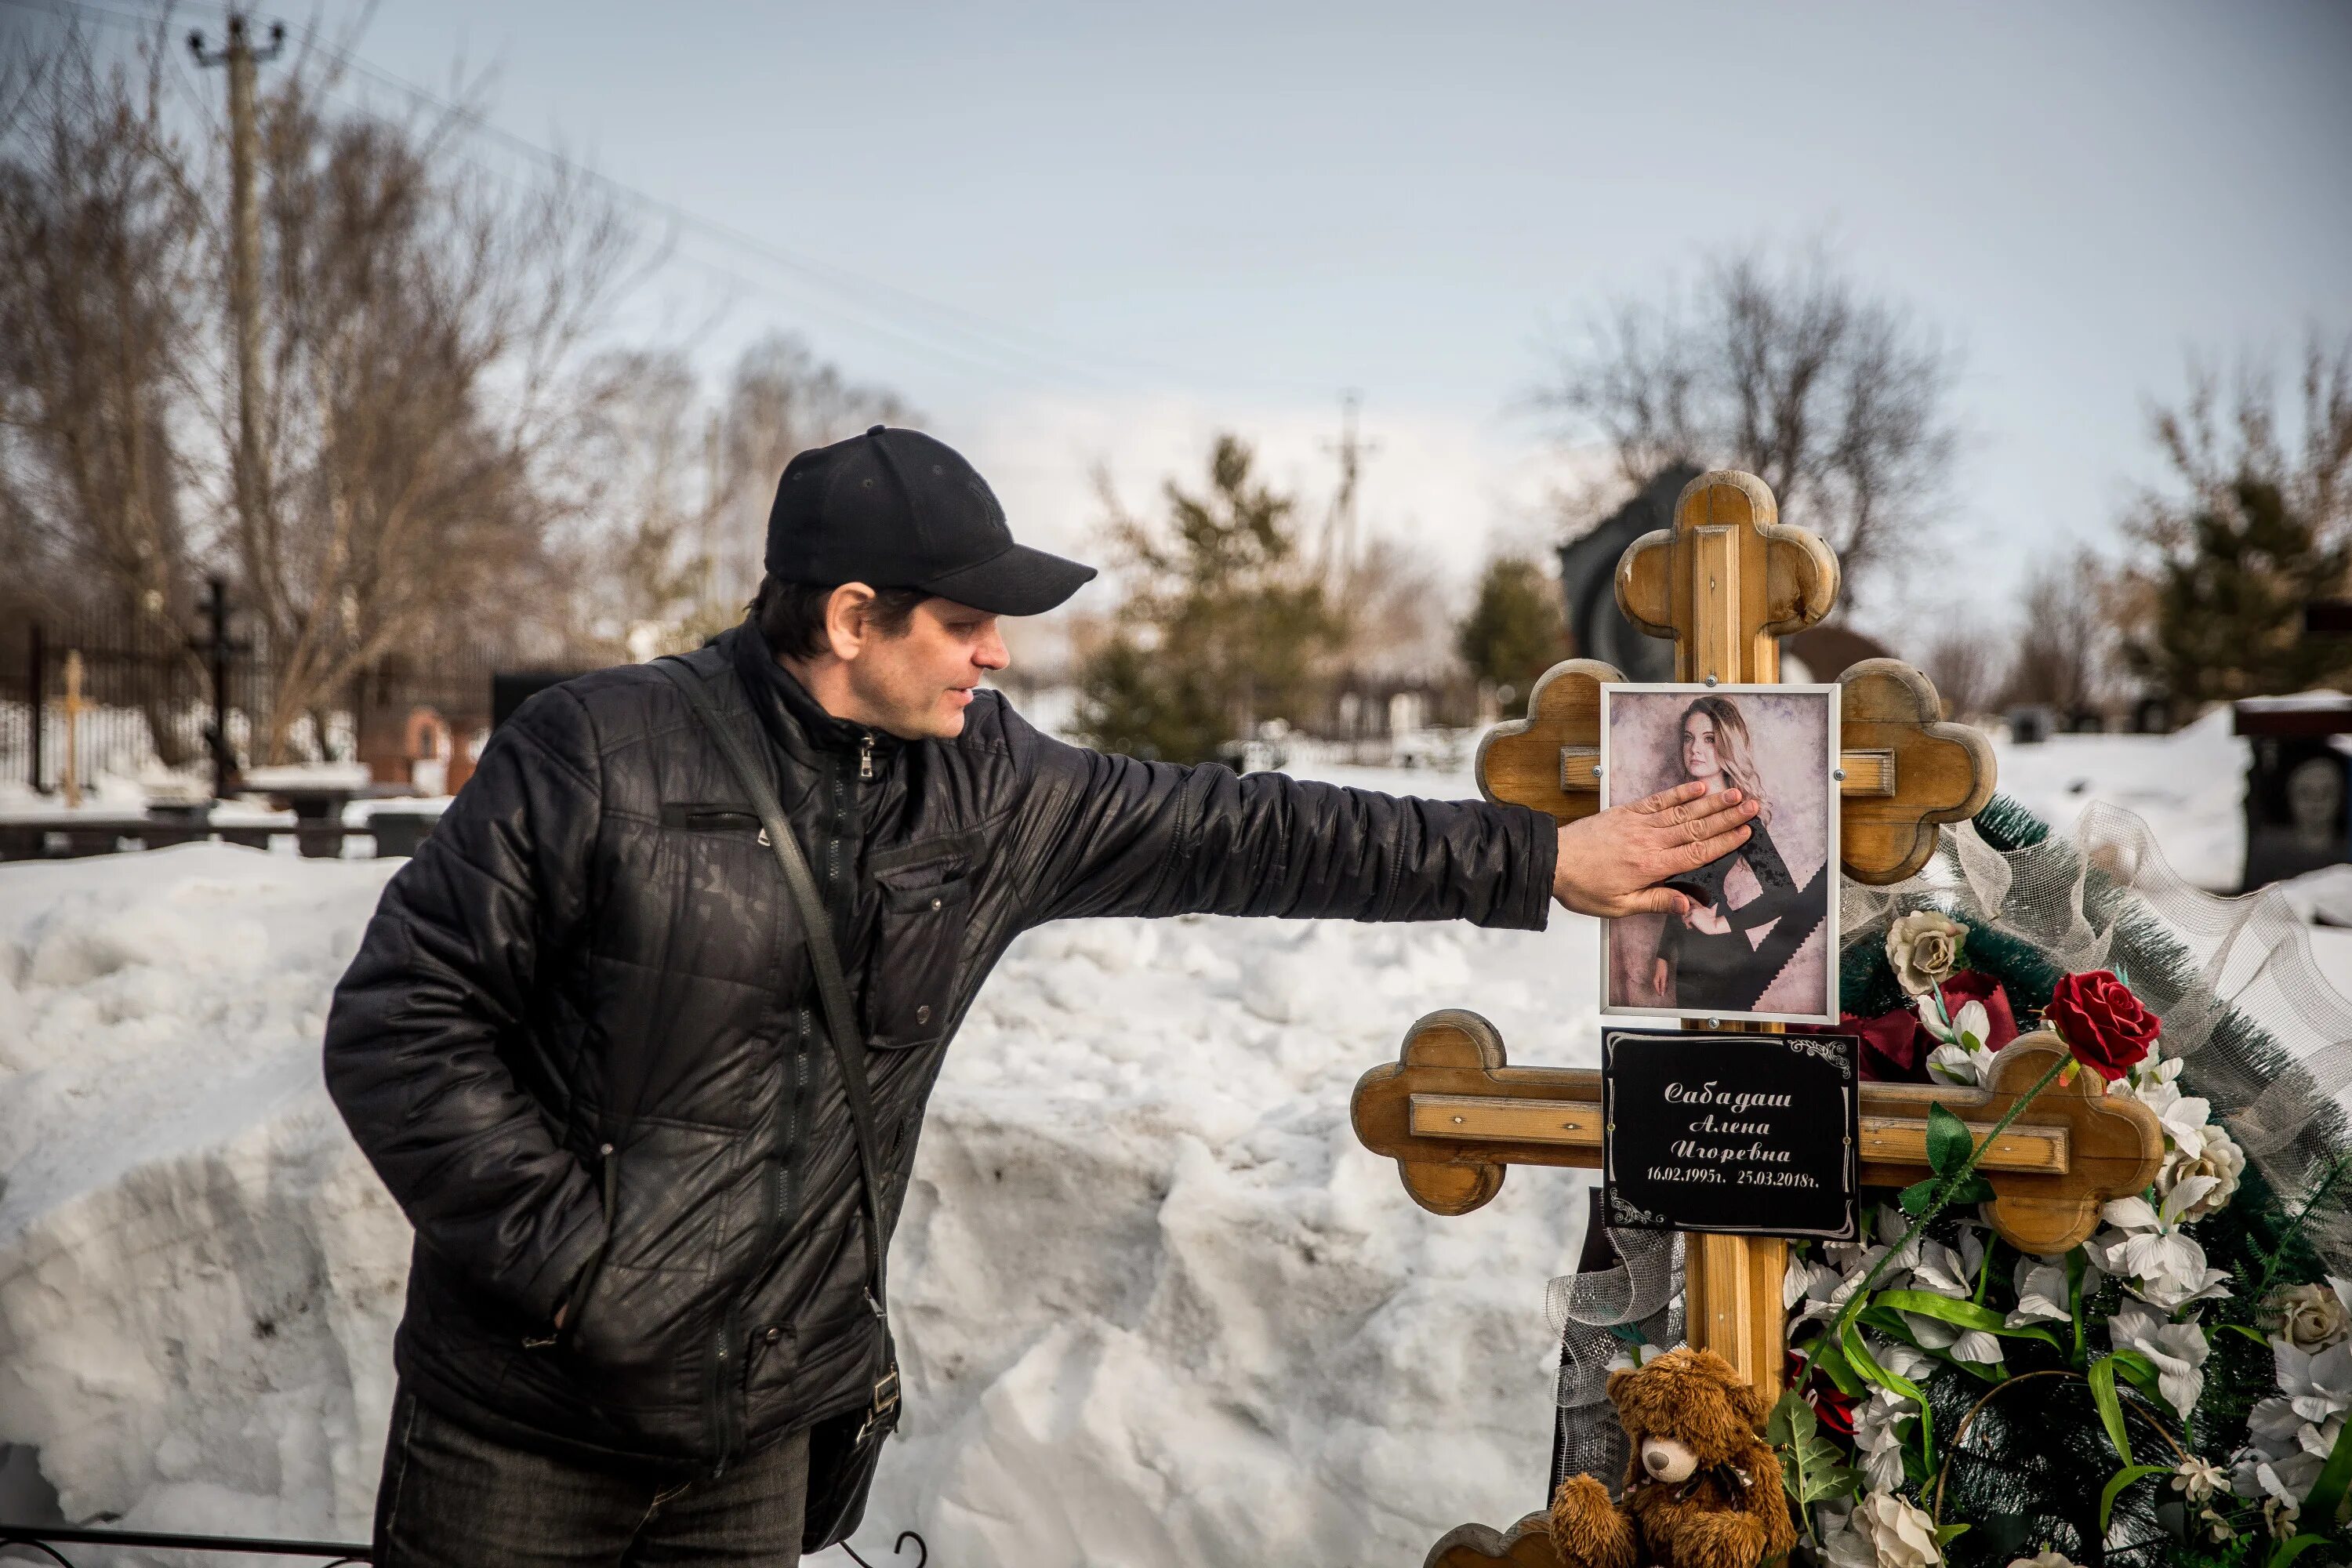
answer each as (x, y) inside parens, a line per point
(74, 709)
(1725, 583)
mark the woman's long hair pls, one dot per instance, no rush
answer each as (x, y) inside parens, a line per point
(1733, 749)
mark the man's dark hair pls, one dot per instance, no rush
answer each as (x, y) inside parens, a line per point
(791, 615)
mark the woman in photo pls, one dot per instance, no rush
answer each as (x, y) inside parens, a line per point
(1707, 960)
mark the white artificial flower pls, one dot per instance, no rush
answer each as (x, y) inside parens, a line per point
(1855, 1258)
(2149, 1248)
(1815, 1292)
(1963, 1057)
(1632, 1357)
(1906, 1362)
(1842, 1544)
(2048, 1557)
(1900, 1534)
(2042, 1295)
(1923, 948)
(2178, 1350)
(2218, 1156)
(1946, 1273)
(2317, 1383)
(2199, 1479)
(2312, 1316)
(1876, 1442)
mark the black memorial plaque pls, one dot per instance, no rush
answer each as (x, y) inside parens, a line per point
(1747, 1134)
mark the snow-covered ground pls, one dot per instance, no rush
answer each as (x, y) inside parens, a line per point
(1157, 1306)
(2190, 786)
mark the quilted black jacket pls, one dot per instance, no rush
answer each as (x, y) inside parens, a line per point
(581, 1042)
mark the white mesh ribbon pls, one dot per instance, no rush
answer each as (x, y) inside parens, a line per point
(2241, 1000)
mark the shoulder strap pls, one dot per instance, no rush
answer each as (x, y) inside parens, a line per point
(832, 991)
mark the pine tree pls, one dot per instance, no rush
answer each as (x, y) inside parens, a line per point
(1516, 630)
(2228, 602)
(1226, 624)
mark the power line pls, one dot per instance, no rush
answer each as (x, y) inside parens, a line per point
(862, 304)
(881, 308)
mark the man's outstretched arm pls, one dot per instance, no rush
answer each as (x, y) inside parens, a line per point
(1114, 836)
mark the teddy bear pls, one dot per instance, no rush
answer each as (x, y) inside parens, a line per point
(1702, 1488)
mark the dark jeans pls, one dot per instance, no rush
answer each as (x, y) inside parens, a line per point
(451, 1499)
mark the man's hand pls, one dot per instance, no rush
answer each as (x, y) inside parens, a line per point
(1611, 863)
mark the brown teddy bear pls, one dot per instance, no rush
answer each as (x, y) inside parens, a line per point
(1702, 1488)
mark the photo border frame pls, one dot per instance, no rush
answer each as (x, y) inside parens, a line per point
(1828, 691)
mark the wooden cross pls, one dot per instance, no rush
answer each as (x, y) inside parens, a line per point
(1725, 583)
(74, 709)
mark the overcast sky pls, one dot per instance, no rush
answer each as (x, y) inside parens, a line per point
(1096, 233)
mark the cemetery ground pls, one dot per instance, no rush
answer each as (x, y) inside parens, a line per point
(1159, 1306)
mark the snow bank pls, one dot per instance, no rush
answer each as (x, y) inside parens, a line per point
(1157, 1306)
(2188, 787)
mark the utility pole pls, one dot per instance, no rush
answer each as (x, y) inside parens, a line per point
(1339, 529)
(251, 478)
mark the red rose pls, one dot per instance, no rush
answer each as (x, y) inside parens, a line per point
(2101, 1021)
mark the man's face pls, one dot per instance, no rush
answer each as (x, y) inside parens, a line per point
(916, 686)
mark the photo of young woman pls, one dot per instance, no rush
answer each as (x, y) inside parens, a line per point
(1758, 939)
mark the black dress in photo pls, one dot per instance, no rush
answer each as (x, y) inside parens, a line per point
(1726, 973)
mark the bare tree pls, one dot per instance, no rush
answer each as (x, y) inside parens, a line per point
(1968, 668)
(419, 323)
(646, 450)
(2065, 651)
(1788, 369)
(781, 400)
(99, 265)
(2215, 449)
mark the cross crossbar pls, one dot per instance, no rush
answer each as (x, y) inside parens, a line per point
(1455, 1115)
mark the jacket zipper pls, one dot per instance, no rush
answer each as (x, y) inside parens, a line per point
(866, 756)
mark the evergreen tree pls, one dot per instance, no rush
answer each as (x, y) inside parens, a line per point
(2259, 525)
(1226, 624)
(2228, 602)
(1516, 630)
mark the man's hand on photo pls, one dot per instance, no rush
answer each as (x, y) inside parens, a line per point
(1611, 863)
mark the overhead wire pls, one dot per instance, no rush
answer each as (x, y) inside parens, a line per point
(908, 319)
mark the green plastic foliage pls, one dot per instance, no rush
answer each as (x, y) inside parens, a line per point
(1811, 1466)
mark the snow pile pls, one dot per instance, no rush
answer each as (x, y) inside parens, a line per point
(2188, 787)
(1157, 1306)
(2323, 896)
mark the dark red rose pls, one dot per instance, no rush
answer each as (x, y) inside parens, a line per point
(1895, 1046)
(1974, 985)
(1834, 1409)
(2101, 1021)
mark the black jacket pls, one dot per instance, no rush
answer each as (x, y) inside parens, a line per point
(581, 1042)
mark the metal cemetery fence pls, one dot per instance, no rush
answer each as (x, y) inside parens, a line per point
(149, 691)
(48, 1542)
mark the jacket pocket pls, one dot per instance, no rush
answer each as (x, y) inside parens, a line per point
(805, 1358)
(575, 1301)
(685, 818)
(917, 948)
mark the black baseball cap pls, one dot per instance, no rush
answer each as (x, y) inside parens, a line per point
(897, 508)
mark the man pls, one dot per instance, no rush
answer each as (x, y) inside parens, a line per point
(583, 1045)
